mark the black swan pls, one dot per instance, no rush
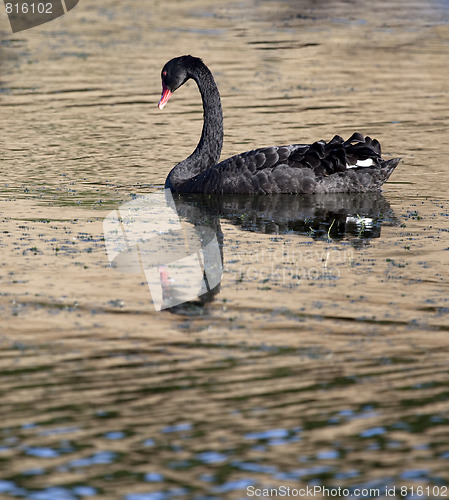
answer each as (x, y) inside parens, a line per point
(354, 165)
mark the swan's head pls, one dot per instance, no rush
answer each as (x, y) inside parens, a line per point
(174, 74)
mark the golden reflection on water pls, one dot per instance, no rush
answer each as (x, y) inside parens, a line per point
(321, 360)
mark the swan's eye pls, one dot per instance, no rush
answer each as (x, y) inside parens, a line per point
(164, 73)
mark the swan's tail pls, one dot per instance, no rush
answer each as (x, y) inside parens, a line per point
(378, 175)
(388, 166)
(359, 179)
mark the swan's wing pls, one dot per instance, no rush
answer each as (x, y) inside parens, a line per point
(284, 169)
(323, 158)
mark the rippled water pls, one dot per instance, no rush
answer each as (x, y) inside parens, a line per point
(321, 359)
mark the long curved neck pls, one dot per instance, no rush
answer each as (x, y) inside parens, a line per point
(208, 150)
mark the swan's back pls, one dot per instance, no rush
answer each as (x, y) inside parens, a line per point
(354, 165)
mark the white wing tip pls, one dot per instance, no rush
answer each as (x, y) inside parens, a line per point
(362, 163)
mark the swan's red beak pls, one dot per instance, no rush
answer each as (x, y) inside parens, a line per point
(164, 97)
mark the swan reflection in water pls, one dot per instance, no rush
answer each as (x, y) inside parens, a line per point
(177, 243)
